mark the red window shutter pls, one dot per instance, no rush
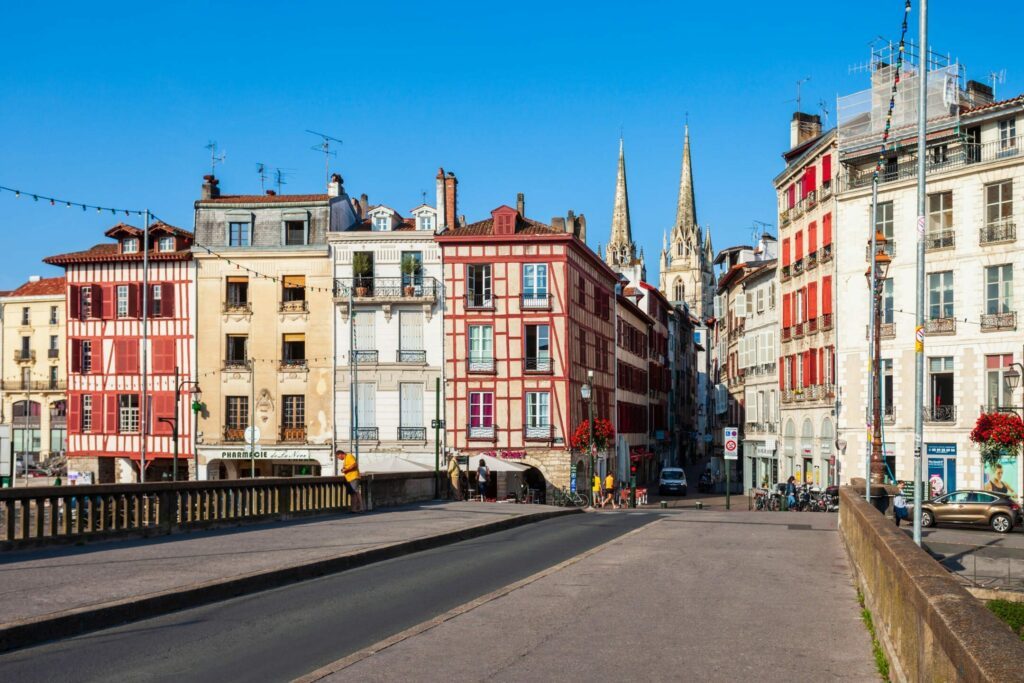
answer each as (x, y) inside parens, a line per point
(832, 362)
(782, 375)
(99, 363)
(826, 169)
(812, 300)
(132, 356)
(786, 318)
(812, 179)
(799, 245)
(133, 301)
(812, 362)
(163, 356)
(76, 355)
(110, 414)
(75, 413)
(167, 299)
(785, 251)
(792, 370)
(74, 302)
(826, 230)
(826, 295)
(163, 406)
(120, 362)
(106, 301)
(821, 365)
(792, 195)
(812, 238)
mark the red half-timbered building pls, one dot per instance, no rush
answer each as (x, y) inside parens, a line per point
(529, 313)
(107, 420)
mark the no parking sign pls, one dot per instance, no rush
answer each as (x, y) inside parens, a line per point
(730, 439)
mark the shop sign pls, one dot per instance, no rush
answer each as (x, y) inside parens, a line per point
(506, 455)
(284, 454)
(766, 451)
(941, 449)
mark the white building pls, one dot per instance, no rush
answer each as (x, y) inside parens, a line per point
(975, 199)
(388, 295)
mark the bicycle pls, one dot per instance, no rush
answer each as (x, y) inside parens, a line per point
(563, 498)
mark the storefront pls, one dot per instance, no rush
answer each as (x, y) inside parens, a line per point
(265, 461)
(941, 474)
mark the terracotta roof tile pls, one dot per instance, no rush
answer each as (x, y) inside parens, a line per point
(263, 198)
(524, 226)
(46, 286)
(981, 107)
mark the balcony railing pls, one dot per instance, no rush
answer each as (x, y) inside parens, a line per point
(538, 364)
(787, 333)
(33, 385)
(293, 364)
(234, 434)
(886, 331)
(535, 302)
(940, 413)
(388, 288)
(798, 266)
(236, 364)
(940, 239)
(812, 325)
(940, 326)
(407, 356)
(538, 432)
(784, 217)
(480, 364)
(889, 248)
(482, 432)
(798, 330)
(997, 233)
(996, 322)
(237, 307)
(479, 303)
(825, 321)
(53, 353)
(300, 306)
(365, 357)
(293, 434)
(888, 414)
(368, 433)
(958, 156)
(786, 273)
(825, 253)
(812, 260)
(412, 433)
(22, 356)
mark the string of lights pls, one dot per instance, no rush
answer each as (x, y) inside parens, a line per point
(892, 96)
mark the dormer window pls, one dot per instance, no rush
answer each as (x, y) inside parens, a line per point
(130, 245)
(426, 222)
(165, 243)
(381, 223)
(504, 219)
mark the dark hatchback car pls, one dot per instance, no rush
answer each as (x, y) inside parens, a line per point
(980, 508)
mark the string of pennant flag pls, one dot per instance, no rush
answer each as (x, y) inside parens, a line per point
(892, 96)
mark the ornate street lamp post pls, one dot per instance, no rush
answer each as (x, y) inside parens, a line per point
(587, 393)
(876, 276)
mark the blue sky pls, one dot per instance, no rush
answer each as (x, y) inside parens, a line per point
(114, 104)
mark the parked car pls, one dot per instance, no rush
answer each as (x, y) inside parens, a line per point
(982, 508)
(672, 481)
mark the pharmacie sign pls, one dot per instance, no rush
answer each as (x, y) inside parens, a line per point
(285, 454)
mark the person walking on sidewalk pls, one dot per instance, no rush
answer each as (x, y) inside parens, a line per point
(899, 507)
(483, 476)
(609, 492)
(350, 469)
(595, 491)
(791, 492)
(453, 477)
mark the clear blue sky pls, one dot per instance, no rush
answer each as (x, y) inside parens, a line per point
(113, 103)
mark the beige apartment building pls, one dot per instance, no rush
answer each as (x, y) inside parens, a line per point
(264, 327)
(34, 376)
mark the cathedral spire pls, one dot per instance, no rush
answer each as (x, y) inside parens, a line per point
(686, 208)
(621, 230)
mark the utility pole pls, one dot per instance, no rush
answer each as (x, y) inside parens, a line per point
(873, 321)
(590, 425)
(437, 438)
(922, 120)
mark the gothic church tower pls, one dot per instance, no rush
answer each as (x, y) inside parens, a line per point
(621, 253)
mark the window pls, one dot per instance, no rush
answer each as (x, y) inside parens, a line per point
(237, 292)
(999, 289)
(365, 330)
(53, 315)
(26, 350)
(366, 406)
(239, 234)
(538, 347)
(481, 347)
(583, 348)
(478, 285)
(130, 245)
(86, 413)
(996, 393)
(940, 371)
(26, 378)
(481, 413)
(940, 295)
(25, 316)
(293, 414)
(128, 413)
(771, 295)
(294, 233)
(1008, 134)
(85, 302)
(381, 223)
(165, 243)
(156, 301)
(236, 351)
(887, 302)
(679, 290)
(760, 299)
(999, 202)
(412, 268)
(122, 301)
(582, 291)
(887, 386)
(53, 377)
(410, 400)
(535, 280)
(237, 412)
(293, 293)
(884, 220)
(940, 213)
(410, 337)
(538, 413)
(294, 350)
(86, 356)
(426, 221)
(54, 344)
(939, 154)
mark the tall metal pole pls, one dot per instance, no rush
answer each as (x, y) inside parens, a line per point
(252, 416)
(353, 383)
(872, 323)
(145, 347)
(174, 435)
(334, 360)
(590, 425)
(922, 119)
(437, 438)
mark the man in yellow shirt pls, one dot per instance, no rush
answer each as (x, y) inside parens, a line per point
(350, 469)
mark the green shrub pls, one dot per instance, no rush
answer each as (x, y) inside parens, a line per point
(1010, 612)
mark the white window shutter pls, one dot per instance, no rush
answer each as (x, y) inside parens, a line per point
(741, 305)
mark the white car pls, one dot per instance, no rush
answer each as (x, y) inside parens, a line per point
(672, 481)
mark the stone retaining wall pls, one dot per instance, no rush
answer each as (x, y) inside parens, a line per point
(931, 628)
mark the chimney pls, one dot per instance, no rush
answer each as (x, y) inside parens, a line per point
(439, 199)
(34, 278)
(210, 189)
(335, 187)
(271, 193)
(521, 204)
(802, 128)
(979, 93)
(364, 202)
(451, 203)
(558, 223)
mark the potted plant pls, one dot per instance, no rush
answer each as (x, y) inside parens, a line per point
(410, 272)
(999, 435)
(362, 270)
(604, 435)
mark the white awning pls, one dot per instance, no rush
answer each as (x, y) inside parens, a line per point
(495, 464)
(380, 463)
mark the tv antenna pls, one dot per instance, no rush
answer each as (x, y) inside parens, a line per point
(823, 106)
(799, 84)
(261, 170)
(279, 180)
(325, 148)
(423, 196)
(215, 158)
(996, 78)
(759, 229)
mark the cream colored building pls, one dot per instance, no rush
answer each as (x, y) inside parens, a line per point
(34, 372)
(265, 332)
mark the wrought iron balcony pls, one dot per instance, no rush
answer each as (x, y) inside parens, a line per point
(953, 157)
(798, 266)
(825, 321)
(15, 385)
(798, 330)
(940, 239)
(535, 302)
(293, 364)
(300, 306)
(293, 434)
(412, 433)
(365, 357)
(996, 322)
(53, 353)
(479, 302)
(237, 364)
(407, 356)
(24, 356)
(538, 432)
(888, 414)
(237, 307)
(940, 413)
(825, 253)
(886, 331)
(786, 273)
(384, 289)
(482, 432)
(480, 364)
(998, 233)
(940, 326)
(812, 325)
(234, 434)
(368, 434)
(812, 260)
(787, 333)
(537, 364)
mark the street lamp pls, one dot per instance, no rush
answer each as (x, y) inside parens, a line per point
(587, 392)
(876, 275)
(173, 421)
(1011, 380)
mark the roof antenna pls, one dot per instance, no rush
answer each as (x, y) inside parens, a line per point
(823, 105)
(325, 148)
(214, 157)
(279, 179)
(261, 170)
(423, 196)
(798, 84)
(997, 78)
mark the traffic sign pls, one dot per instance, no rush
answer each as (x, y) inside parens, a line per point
(730, 437)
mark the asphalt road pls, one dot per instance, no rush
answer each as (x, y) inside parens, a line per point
(284, 633)
(980, 556)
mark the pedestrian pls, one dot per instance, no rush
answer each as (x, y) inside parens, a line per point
(483, 476)
(350, 470)
(595, 491)
(899, 507)
(453, 477)
(791, 492)
(609, 491)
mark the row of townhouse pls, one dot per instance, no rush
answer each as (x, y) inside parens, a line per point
(804, 321)
(288, 326)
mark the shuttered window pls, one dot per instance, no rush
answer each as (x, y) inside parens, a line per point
(411, 404)
(410, 336)
(366, 404)
(365, 323)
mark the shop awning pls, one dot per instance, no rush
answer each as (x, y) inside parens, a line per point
(374, 463)
(495, 464)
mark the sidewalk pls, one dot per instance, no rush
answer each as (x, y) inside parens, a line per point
(40, 587)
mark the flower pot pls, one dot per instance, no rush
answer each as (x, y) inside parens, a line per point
(409, 290)
(362, 291)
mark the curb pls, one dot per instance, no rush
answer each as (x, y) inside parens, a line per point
(59, 625)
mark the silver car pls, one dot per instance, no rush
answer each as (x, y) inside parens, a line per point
(672, 482)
